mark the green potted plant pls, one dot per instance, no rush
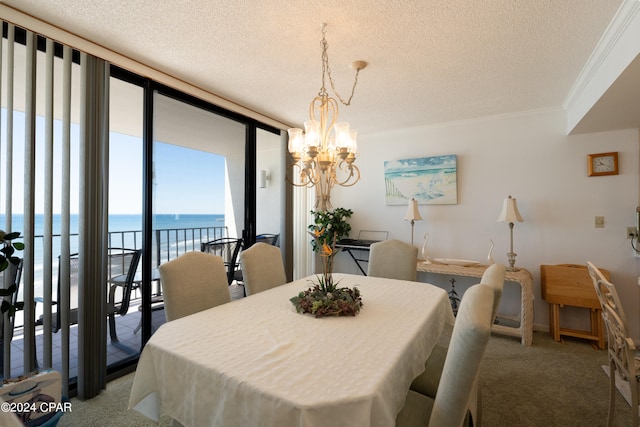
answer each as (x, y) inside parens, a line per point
(326, 298)
(328, 228)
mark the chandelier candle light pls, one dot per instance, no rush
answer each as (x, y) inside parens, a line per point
(325, 152)
(510, 214)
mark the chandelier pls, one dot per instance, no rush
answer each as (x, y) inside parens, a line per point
(323, 155)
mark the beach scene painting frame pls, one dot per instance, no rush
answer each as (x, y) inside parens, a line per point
(429, 180)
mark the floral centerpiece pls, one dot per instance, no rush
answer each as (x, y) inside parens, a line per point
(326, 298)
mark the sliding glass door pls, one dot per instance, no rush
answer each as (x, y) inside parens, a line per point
(124, 339)
(180, 172)
(198, 175)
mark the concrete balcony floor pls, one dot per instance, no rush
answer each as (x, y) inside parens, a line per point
(128, 346)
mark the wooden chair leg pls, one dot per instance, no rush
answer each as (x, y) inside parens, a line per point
(597, 327)
(554, 322)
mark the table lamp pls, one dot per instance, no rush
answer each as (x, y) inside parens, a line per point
(413, 215)
(510, 214)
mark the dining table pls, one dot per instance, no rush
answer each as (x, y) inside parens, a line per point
(257, 362)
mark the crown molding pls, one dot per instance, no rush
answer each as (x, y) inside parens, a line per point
(617, 48)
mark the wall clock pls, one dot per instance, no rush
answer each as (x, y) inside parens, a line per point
(603, 164)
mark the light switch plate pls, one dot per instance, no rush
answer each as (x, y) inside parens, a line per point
(599, 222)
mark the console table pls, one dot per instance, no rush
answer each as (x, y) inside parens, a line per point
(522, 277)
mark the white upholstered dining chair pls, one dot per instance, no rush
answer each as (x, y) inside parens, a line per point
(427, 382)
(262, 268)
(193, 282)
(494, 277)
(461, 367)
(393, 259)
(622, 350)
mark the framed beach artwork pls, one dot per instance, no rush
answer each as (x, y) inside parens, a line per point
(429, 180)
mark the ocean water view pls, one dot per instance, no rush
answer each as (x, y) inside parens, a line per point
(121, 222)
(174, 233)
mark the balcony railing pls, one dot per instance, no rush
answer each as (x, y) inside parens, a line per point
(167, 244)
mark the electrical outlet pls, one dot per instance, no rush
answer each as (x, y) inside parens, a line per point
(631, 232)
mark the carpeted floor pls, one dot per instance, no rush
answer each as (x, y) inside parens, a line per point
(109, 409)
(547, 384)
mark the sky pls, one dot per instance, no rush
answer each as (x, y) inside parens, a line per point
(187, 181)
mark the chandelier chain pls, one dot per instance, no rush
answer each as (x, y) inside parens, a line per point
(326, 69)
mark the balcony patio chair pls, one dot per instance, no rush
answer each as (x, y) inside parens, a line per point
(193, 282)
(460, 374)
(262, 268)
(121, 261)
(622, 351)
(393, 259)
(227, 248)
(15, 274)
(269, 239)
(73, 296)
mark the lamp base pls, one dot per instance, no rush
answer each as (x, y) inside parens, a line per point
(412, 223)
(512, 261)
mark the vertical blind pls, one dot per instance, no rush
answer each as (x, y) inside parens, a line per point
(6, 73)
(93, 226)
(35, 94)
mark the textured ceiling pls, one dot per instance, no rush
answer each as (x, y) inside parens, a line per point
(429, 61)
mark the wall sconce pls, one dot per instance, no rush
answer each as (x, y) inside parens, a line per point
(263, 177)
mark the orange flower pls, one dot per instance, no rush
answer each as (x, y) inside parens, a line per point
(326, 249)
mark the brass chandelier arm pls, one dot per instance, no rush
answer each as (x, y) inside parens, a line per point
(306, 176)
(324, 110)
(354, 171)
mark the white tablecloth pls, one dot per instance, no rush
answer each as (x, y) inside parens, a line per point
(256, 362)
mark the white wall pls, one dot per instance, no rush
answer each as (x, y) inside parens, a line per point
(269, 199)
(529, 157)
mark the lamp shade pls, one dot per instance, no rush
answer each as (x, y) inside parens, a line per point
(296, 140)
(510, 211)
(413, 214)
